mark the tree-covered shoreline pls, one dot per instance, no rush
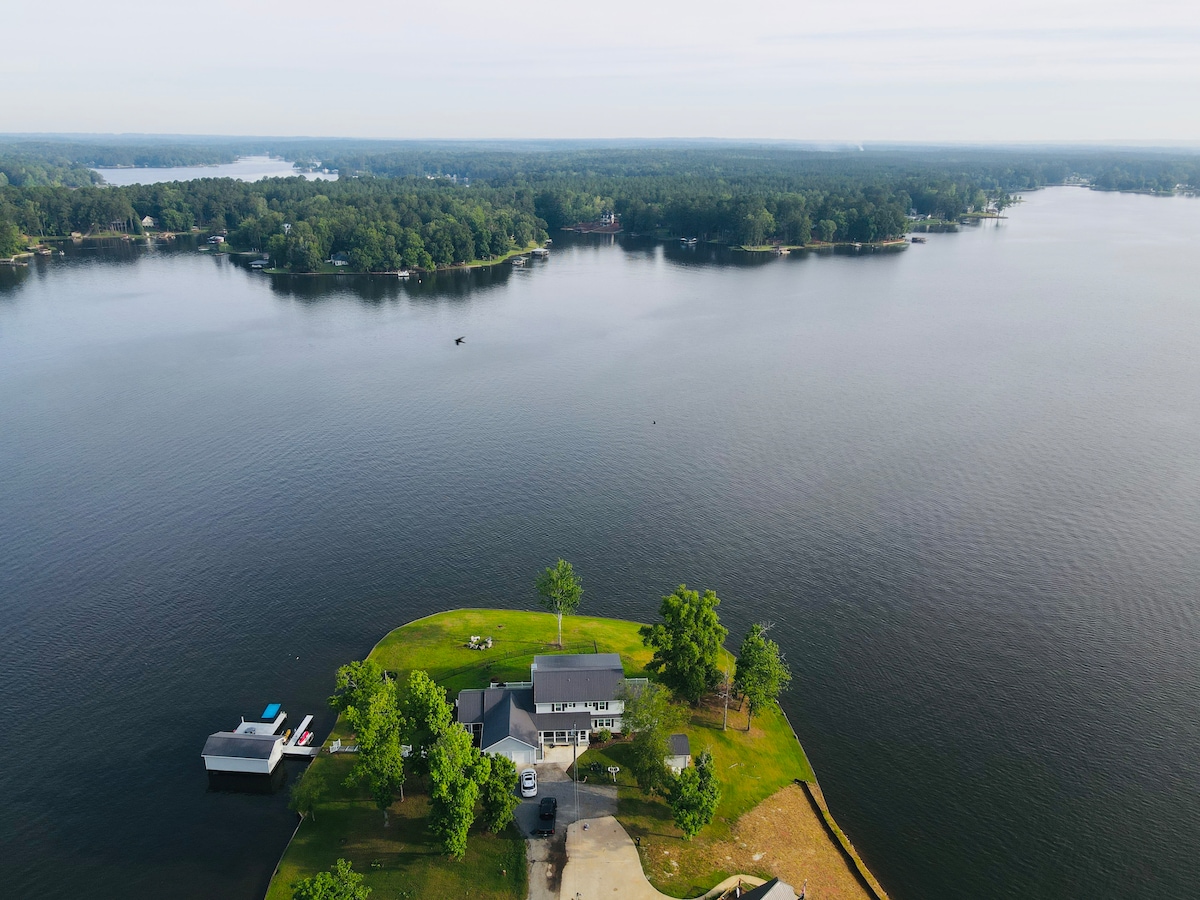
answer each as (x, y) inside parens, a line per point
(425, 206)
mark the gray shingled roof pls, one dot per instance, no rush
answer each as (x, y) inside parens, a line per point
(679, 745)
(564, 721)
(244, 746)
(578, 677)
(509, 719)
(503, 712)
(772, 890)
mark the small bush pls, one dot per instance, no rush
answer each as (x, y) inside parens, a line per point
(604, 735)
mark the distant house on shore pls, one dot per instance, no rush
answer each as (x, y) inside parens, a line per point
(680, 753)
(566, 699)
(148, 222)
(340, 259)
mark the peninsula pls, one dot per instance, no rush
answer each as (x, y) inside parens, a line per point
(771, 820)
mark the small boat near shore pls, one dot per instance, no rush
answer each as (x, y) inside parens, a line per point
(917, 240)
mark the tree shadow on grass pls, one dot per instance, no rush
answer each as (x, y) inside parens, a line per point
(645, 817)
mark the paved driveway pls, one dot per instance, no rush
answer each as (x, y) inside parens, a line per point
(603, 864)
(548, 855)
(595, 801)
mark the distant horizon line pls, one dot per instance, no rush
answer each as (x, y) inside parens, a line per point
(806, 143)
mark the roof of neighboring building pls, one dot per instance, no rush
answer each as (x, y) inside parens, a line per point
(582, 676)
(679, 745)
(245, 746)
(503, 712)
(772, 890)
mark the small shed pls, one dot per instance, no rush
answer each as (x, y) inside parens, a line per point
(232, 751)
(680, 753)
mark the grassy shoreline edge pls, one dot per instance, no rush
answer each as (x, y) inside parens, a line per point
(402, 644)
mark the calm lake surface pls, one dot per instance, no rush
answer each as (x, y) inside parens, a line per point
(963, 480)
(248, 168)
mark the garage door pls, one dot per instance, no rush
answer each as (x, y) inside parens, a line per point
(521, 757)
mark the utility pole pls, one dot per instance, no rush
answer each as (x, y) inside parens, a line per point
(575, 771)
(725, 686)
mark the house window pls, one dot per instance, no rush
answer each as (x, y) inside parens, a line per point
(602, 723)
(601, 705)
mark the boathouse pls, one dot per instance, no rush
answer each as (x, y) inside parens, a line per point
(246, 752)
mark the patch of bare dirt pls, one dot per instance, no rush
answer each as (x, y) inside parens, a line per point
(783, 836)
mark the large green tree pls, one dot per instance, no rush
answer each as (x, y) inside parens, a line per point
(10, 238)
(341, 883)
(368, 701)
(456, 771)
(500, 799)
(652, 718)
(762, 673)
(426, 715)
(687, 642)
(693, 796)
(560, 591)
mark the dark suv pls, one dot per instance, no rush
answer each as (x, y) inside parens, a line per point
(547, 813)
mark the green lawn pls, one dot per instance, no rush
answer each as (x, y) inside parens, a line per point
(403, 859)
(750, 766)
(438, 645)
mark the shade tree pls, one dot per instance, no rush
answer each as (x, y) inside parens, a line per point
(687, 642)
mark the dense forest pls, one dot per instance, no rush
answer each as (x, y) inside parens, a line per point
(423, 205)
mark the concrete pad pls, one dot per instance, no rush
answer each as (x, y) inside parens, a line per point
(562, 756)
(603, 864)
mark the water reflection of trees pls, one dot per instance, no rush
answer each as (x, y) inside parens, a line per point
(447, 284)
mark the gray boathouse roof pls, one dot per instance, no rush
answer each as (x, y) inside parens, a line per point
(243, 746)
(679, 745)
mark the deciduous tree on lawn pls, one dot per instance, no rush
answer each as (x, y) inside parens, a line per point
(500, 799)
(694, 795)
(426, 715)
(369, 703)
(560, 591)
(687, 643)
(342, 883)
(456, 770)
(762, 673)
(652, 718)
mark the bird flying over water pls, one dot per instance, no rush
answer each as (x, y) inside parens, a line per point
(459, 340)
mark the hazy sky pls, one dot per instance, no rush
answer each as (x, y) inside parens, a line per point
(913, 70)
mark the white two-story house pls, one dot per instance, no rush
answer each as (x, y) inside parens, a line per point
(566, 699)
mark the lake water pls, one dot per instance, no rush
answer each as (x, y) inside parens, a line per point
(963, 480)
(248, 168)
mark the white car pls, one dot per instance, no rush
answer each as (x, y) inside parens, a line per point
(529, 783)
